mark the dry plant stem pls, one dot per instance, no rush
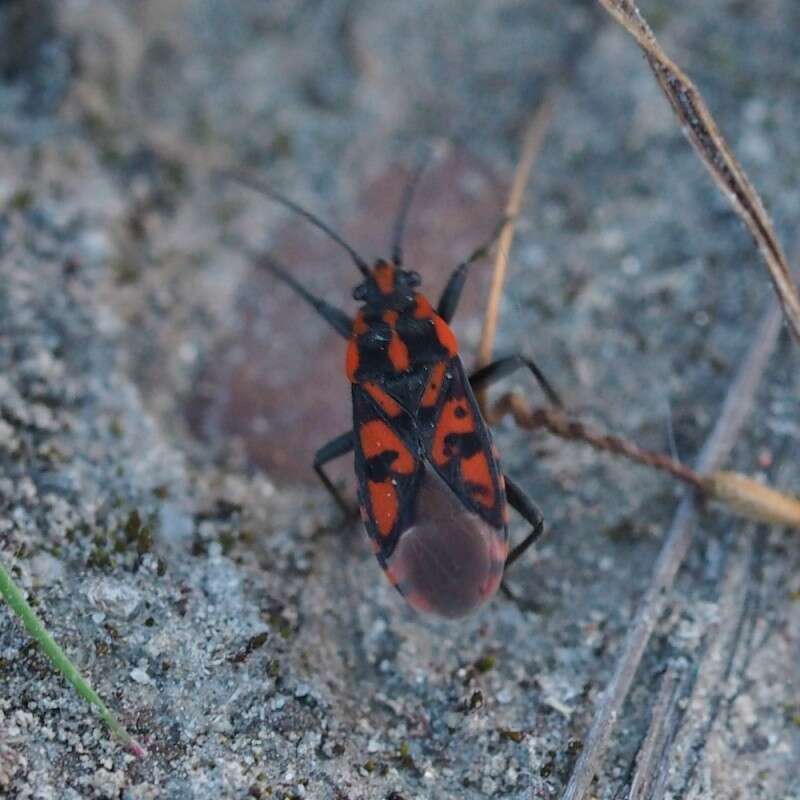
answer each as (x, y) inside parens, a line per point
(739, 493)
(692, 112)
(736, 407)
(531, 145)
(559, 424)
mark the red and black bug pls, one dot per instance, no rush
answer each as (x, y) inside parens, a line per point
(432, 496)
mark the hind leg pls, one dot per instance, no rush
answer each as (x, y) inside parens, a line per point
(529, 511)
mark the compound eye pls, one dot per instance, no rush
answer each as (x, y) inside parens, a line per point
(360, 292)
(414, 278)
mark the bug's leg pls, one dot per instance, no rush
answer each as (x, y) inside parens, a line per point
(334, 316)
(448, 302)
(339, 446)
(487, 375)
(529, 511)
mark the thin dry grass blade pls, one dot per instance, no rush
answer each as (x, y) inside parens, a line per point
(558, 423)
(739, 493)
(694, 116)
(659, 734)
(533, 138)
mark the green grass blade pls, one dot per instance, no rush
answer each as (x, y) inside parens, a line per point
(20, 606)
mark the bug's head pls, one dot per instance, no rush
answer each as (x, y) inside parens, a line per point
(388, 287)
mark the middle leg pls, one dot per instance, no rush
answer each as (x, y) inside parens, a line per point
(485, 376)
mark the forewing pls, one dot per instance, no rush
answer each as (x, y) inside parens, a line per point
(388, 465)
(458, 443)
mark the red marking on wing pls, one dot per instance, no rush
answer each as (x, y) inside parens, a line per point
(434, 385)
(456, 417)
(387, 403)
(446, 337)
(383, 499)
(475, 471)
(377, 438)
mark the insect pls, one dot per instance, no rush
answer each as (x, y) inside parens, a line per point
(431, 492)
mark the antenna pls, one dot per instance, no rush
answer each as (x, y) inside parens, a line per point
(336, 318)
(399, 226)
(262, 188)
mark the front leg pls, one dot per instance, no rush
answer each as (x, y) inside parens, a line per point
(448, 302)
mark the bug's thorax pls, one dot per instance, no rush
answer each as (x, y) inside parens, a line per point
(396, 331)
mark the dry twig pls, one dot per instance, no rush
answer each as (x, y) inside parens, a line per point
(693, 114)
(557, 422)
(737, 405)
(739, 494)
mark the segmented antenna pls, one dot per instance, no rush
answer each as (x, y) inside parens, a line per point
(262, 188)
(338, 319)
(399, 226)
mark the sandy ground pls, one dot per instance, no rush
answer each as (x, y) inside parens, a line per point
(161, 398)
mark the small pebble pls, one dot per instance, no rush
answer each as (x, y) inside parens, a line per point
(140, 676)
(453, 720)
(504, 696)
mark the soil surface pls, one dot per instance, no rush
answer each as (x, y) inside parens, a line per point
(161, 397)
